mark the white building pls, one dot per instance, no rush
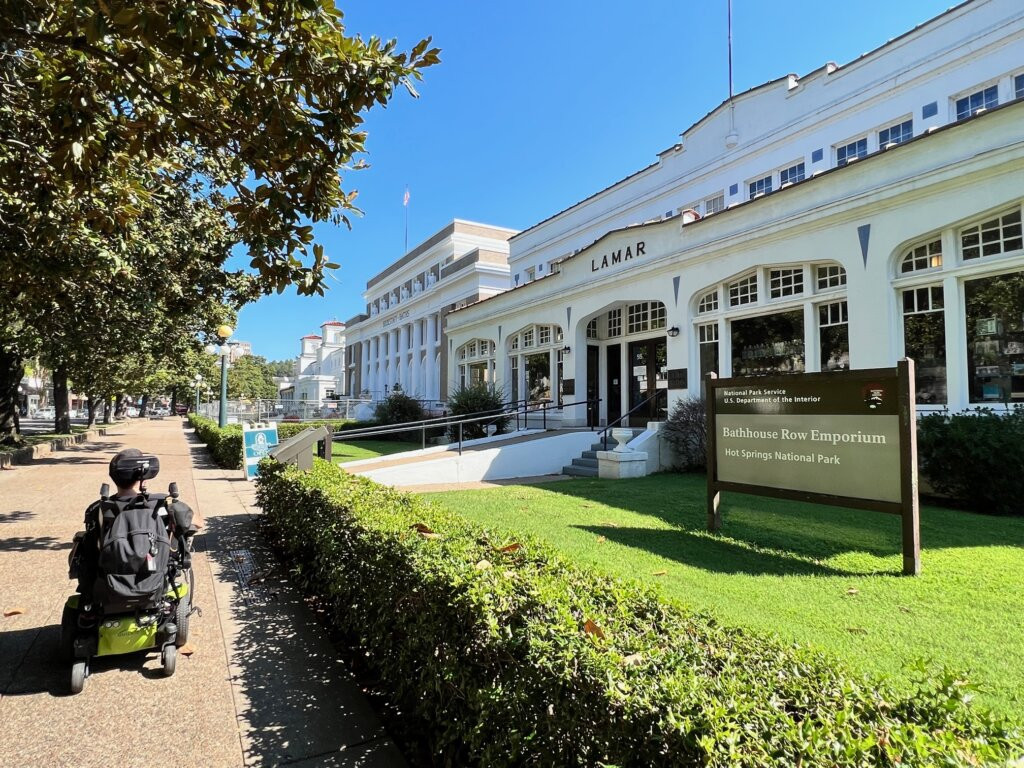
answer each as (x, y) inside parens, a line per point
(320, 368)
(847, 217)
(400, 338)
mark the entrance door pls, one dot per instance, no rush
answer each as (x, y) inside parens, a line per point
(614, 389)
(648, 380)
(593, 385)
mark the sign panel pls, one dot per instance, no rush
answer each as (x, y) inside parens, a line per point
(843, 438)
(257, 440)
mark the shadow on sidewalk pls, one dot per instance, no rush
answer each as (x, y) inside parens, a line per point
(43, 671)
(302, 697)
(32, 543)
(16, 516)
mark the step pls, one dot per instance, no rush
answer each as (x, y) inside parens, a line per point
(591, 454)
(579, 471)
(592, 463)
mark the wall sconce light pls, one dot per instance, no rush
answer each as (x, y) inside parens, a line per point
(566, 349)
(673, 331)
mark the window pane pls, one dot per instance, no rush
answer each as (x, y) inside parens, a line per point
(924, 338)
(995, 338)
(768, 344)
(514, 365)
(538, 377)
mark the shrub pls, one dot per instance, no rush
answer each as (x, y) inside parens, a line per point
(506, 654)
(225, 445)
(687, 432)
(976, 457)
(477, 398)
(398, 408)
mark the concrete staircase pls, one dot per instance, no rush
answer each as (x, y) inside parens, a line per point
(586, 464)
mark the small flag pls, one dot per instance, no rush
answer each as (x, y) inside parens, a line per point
(405, 199)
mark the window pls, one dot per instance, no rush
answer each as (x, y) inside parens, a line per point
(528, 338)
(924, 340)
(995, 338)
(513, 343)
(471, 349)
(462, 353)
(514, 373)
(531, 274)
(743, 291)
(544, 335)
(852, 151)
(559, 381)
(928, 256)
(791, 175)
(538, 377)
(1018, 87)
(992, 237)
(834, 336)
(714, 204)
(896, 134)
(614, 322)
(592, 329)
(768, 344)
(638, 318)
(785, 282)
(657, 315)
(707, 338)
(708, 303)
(760, 187)
(831, 276)
(984, 99)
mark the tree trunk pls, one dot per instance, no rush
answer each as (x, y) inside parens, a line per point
(12, 368)
(174, 401)
(91, 405)
(61, 421)
(106, 409)
(119, 407)
(142, 406)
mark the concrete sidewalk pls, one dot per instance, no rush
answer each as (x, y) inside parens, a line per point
(264, 685)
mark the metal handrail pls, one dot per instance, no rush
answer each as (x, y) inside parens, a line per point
(634, 409)
(448, 421)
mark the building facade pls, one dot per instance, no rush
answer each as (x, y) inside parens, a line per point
(846, 218)
(320, 367)
(399, 340)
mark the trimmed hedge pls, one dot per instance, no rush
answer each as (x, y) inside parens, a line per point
(976, 458)
(506, 654)
(225, 445)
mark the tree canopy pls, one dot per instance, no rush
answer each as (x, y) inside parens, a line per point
(142, 143)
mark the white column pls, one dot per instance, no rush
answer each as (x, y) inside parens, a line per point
(433, 374)
(416, 388)
(406, 348)
(372, 379)
(392, 360)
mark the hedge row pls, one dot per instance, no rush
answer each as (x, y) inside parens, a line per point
(225, 445)
(504, 653)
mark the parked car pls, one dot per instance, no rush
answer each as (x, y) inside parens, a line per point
(46, 413)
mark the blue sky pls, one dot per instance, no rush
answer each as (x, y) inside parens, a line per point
(537, 105)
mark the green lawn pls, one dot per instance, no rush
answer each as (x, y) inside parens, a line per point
(820, 576)
(369, 449)
(45, 437)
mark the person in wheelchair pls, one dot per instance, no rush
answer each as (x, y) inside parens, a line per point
(133, 565)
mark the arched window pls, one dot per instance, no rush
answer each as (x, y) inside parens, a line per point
(476, 362)
(708, 303)
(922, 257)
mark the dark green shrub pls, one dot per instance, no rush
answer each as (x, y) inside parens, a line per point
(506, 654)
(477, 398)
(225, 445)
(976, 457)
(687, 432)
(398, 408)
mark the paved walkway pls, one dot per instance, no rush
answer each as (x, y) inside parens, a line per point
(264, 686)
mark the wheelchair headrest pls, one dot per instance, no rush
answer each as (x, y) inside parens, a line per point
(132, 465)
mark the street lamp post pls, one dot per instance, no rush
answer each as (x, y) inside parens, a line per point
(199, 383)
(223, 332)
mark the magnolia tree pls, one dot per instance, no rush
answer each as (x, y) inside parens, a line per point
(128, 130)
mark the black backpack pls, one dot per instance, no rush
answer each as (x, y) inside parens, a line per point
(134, 552)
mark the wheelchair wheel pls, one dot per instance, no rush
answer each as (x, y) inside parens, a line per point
(79, 671)
(168, 658)
(182, 614)
(68, 624)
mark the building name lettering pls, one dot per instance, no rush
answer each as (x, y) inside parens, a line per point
(814, 435)
(395, 318)
(618, 256)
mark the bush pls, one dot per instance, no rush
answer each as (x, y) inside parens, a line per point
(225, 445)
(505, 654)
(977, 458)
(477, 398)
(398, 408)
(687, 432)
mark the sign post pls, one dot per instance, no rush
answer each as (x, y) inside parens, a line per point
(257, 440)
(843, 438)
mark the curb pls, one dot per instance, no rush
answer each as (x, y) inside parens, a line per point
(30, 453)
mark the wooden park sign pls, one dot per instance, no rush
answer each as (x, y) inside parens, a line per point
(843, 438)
